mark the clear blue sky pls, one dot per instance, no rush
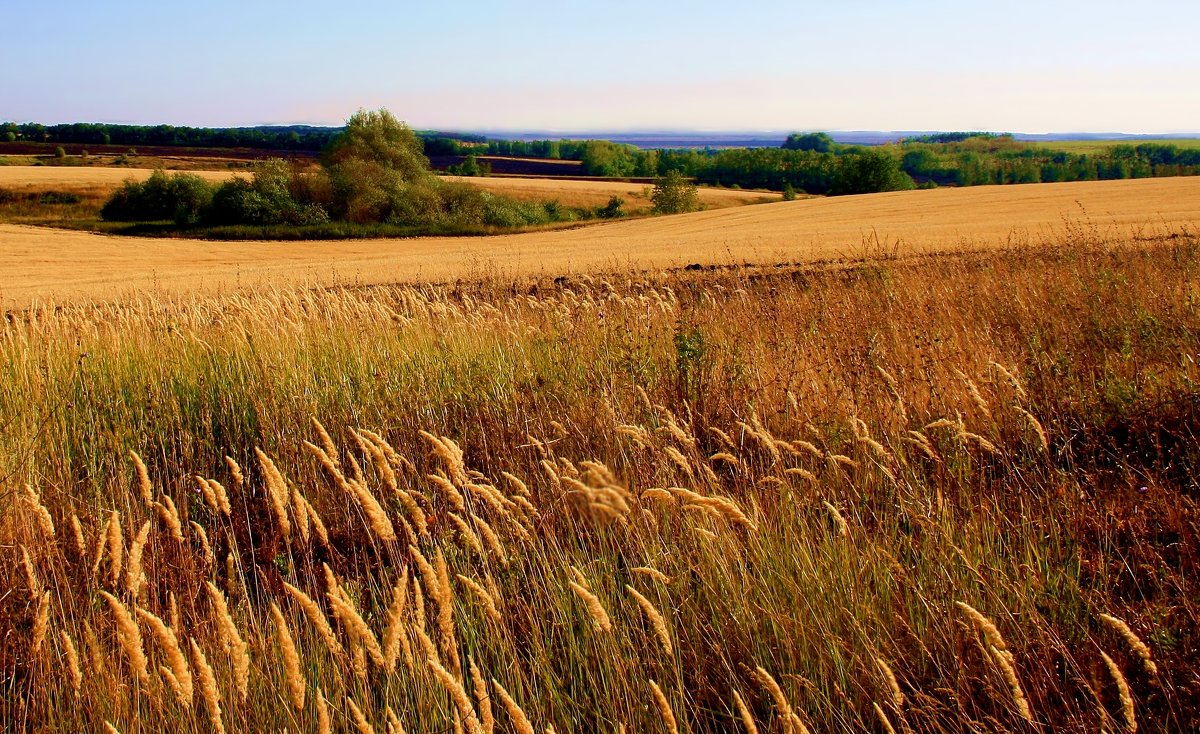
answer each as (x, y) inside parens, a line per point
(1022, 66)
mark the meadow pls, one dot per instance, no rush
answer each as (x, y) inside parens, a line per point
(932, 479)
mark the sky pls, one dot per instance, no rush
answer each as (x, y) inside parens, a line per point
(1034, 67)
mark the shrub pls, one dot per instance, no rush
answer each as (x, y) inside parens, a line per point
(182, 198)
(675, 194)
(614, 209)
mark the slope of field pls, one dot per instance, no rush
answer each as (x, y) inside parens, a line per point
(69, 177)
(584, 193)
(53, 264)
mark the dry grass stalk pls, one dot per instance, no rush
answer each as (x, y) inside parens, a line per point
(517, 484)
(492, 541)
(41, 624)
(327, 444)
(656, 620)
(458, 695)
(110, 729)
(883, 719)
(653, 573)
(445, 613)
(483, 702)
(181, 674)
(235, 471)
(743, 712)
(1009, 377)
(1139, 648)
(44, 520)
(664, 709)
(1035, 426)
(1004, 662)
(360, 720)
(991, 634)
(450, 454)
(133, 569)
(231, 640)
(791, 722)
(394, 639)
(208, 687)
(318, 526)
(299, 507)
(222, 497)
(96, 658)
(1123, 693)
(144, 485)
(842, 526)
(77, 534)
(169, 514)
(206, 491)
(277, 493)
(116, 548)
(32, 580)
(484, 596)
(520, 722)
(130, 638)
(208, 556)
(73, 667)
(393, 722)
(449, 491)
(893, 685)
(323, 724)
(467, 533)
(600, 619)
(316, 617)
(291, 658)
(976, 396)
(356, 626)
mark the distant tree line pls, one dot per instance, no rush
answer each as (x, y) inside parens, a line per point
(266, 137)
(806, 162)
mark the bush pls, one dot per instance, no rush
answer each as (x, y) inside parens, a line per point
(182, 198)
(614, 209)
(675, 194)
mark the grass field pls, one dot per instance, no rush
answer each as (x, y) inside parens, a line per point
(62, 265)
(930, 464)
(1099, 146)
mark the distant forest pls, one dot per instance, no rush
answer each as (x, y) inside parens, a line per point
(806, 163)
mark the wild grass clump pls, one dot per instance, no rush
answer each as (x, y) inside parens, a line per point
(936, 495)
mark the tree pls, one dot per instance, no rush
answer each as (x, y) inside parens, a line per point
(869, 172)
(378, 137)
(816, 142)
(604, 158)
(674, 194)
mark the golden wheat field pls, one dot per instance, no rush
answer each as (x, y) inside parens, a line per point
(49, 264)
(911, 462)
(597, 193)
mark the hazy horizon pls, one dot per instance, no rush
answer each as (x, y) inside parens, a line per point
(864, 65)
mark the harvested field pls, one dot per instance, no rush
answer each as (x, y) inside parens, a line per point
(63, 265)
(596, 193)
(70, 177)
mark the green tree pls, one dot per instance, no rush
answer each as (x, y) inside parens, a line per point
(869, 172)
(605, 158)
(379, 138)
(674, 194)
(816, 142)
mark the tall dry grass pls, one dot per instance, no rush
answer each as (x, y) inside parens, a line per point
(938, 494)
